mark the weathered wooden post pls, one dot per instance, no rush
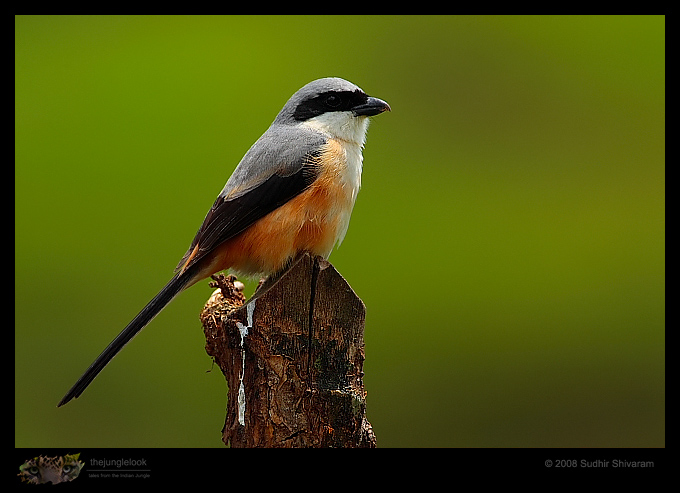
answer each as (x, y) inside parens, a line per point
(293, 360)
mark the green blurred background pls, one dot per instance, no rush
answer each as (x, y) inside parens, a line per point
(509, 239)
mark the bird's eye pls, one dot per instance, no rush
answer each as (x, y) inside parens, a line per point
(333, 101)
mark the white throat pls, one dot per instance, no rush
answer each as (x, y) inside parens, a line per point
(341, 125)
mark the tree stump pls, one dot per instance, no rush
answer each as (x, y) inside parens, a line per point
(293, 359)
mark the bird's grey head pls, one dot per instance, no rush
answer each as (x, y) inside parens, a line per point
(333, 106)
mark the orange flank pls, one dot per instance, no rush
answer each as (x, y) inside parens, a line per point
(313, 222)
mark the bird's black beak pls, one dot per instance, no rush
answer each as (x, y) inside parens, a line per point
(372, 107)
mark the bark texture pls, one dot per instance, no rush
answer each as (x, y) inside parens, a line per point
(293, 359)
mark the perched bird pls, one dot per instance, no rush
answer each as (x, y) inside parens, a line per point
(292, 192)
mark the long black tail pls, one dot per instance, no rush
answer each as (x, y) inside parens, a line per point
(171, 289)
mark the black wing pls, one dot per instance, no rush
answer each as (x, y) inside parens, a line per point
(230, 216)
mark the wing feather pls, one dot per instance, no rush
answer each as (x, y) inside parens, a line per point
(245, 199)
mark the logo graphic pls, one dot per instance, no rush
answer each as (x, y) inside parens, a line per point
(53, 470)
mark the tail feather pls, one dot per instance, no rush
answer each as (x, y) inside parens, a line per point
(175, 286)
